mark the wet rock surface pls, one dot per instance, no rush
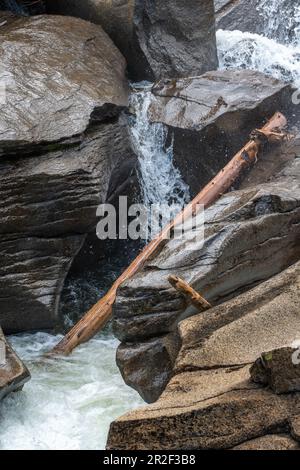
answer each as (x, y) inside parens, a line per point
(64, 150)
(24, 7)
(53, 93)
(136, 360)
(48, 207)
(159, 39)
(13, 373)
(210, 117)
(250, 235)
(175, 38)
(241, 14)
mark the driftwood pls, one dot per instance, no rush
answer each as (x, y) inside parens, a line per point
(98, 316)
(189, 293)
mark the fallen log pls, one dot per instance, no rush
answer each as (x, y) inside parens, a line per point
(98, 316)
(189, 293)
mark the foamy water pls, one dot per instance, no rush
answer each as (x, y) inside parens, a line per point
(69, 402)
(252, 51)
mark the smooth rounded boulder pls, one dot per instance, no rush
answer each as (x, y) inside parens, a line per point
(62, 141)
(60, 74)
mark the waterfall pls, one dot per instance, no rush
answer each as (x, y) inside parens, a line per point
(160, 182)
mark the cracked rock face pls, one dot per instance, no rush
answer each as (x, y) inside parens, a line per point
(210, 117)
(224, 420)
(13, 373)
(159, 39)
(211, 402)
(62, 142)
(250, 235)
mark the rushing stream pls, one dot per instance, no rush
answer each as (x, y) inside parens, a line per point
(70, 403)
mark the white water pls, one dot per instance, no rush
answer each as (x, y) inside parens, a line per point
(252, 51)
(277, 53)
(69, 403)
(159, 180)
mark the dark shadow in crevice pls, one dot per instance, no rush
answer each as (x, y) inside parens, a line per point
(92, 273)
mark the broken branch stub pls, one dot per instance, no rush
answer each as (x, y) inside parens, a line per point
(189, 293)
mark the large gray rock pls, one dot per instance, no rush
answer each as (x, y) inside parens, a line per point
(210, 402)
(210, 117)
(250, 235)
(13, 373)
(53, 93)
(159, 39)
(115, 17)
(241, 14)
(193, 417)
(48, 207)
(175, 38)
(235, 332)
(64, 149)
(136, 360)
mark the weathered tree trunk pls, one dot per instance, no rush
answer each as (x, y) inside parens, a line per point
(193, 297)
(98, 316)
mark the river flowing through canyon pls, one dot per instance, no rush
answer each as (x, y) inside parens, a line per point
(70, 402)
